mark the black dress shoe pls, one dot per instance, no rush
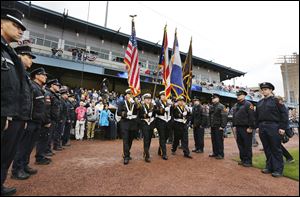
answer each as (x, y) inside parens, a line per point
(194, 150)
(30, 170)
(276, 174)
(212, 155)
(199, 151)
(58, 149)
(266, 171)
(247, 165)
(147, 159)
(188, 156)
(20, 175)
(8, 191)
(49, 154)
(165, 158)
(42, 162)
(126, 161)
(240, 163)
(219, 157)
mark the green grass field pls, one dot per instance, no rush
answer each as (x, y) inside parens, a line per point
(290, 170)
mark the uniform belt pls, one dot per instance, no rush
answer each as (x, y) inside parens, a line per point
(131, 117)
(180, 120)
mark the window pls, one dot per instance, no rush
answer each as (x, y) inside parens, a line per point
(47, 43)
(39, 41)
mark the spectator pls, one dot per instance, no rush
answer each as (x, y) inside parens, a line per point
(74, 54)
(79, 55)
(80, 123)
(92, 116)
(104, 119)
(95, 96)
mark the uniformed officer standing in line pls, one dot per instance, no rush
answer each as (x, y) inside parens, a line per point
(69, 122)
(12, 82)
(180, 114)
(42, 142)
(243, 125)
(128, 110)
(271, 120)
(64, 118)
(147, 123)
(197, 122)
(30, 108)
(218, 121)
(163, 116)
(53, 87)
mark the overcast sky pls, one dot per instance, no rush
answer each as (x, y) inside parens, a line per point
(247, 36)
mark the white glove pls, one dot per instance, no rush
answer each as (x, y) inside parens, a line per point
(167, 109)
(150, 114)
(131, 100)
(129, 113)
(184, 113)
(153, 102)
(169, 101)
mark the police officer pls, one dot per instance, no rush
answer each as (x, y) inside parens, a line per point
(218, 121)
(39, 81)
(20, 168)
(243, 125)
(70, 120)
(147, 123)
(197, 122)
(12, 81)
(180, 114)
(128, 110)
(272, 120)
(53, 87)
(64, 118)
(163, 116)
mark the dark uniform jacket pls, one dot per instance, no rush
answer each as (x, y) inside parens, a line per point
(39, 103)
(122, 109)
(12, 81)
(243, 114)
(197, 118)
(27, 99)
(178, 113)
(71, 110)
(55, 105)
(218, 115)
(270, 110)
(47, 113)
(64, 113)
(144, 111)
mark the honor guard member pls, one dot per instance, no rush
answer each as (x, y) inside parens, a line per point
(218, 121)
(147, 123)
(12, 82)
(163, 116)
(271, 120)
(20, 168)
(198, 128)
(128, 110)
(64, 117)
(180, 114)
(243, 125)
(53, 87)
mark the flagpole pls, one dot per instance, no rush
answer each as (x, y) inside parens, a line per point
(154, 91)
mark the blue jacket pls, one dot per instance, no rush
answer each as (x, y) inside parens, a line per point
(103, 120)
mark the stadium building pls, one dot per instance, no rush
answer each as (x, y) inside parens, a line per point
(82, 54)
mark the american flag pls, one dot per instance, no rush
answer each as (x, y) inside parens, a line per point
(132, 63)
(164, 64)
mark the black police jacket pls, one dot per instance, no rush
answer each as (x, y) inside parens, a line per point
(243, 114)
(39, 103)
(71, 110)
(47, 113)
(64, 114)
(197, 118)
(12, 81)
(271, 110)
(55, 105)
(27, 100)
(217, 115)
